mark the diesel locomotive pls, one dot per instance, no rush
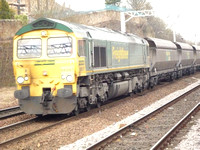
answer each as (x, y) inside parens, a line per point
(63, 67)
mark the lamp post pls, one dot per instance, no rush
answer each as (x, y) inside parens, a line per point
(133, 14)
(18, 5)
(174, 35)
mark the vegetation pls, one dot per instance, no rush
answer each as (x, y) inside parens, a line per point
(139, 4)
(113, 2)
(5, 11)
(152, 26)
(50, 9)
(22, 18)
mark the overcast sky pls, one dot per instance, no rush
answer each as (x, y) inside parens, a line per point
(181, 15)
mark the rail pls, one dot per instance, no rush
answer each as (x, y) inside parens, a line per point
(10, 112)
(168, 136)
(7, 142)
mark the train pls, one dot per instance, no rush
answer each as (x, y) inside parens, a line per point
(64, 68)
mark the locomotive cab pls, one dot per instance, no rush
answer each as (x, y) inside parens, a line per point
(45, 68)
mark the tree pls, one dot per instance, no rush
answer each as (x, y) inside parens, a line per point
(139, 4)
(179, 38)
(5, 11)
(156, 27)
(49, 9)
(113, 2)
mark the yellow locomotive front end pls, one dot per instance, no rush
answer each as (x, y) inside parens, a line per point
(46, 68)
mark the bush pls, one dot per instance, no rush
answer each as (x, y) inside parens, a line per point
(23, 18)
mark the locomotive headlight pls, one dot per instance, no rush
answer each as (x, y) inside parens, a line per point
(20, 80)
(69, 78)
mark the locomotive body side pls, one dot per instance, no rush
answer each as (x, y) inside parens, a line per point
(116, 64)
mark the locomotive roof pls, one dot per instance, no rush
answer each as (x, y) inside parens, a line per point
(183, 46)
(81, 31)
(160, 43)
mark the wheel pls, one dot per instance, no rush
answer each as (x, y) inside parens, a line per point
(131, 94)
(172, 77)
(76, 111)
(39, 115)
(88, 108)
(98, 104)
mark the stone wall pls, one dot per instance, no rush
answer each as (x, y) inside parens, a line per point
(108, 19)
(8, 28)
(94, 17)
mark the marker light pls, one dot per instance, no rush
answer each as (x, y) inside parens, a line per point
(63, 77)
(20, 80)
(45, 73)
(44, 33)
(26, 78)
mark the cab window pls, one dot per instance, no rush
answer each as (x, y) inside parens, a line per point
(99, 57)
(59, 47)
(29, 48)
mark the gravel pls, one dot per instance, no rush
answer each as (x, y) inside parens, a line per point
(94, 121)
(192, 139)
(7, 97)
(7, 100)
(144, 136)
(123, 142)
(15, 119)
(188, 137)
(27, 127)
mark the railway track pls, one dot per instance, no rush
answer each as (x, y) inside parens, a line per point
(11, 128)
(165, 140)
(10, 112)
(10, 132)
(135, 134)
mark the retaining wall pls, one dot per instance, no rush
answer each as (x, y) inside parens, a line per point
(8, 28)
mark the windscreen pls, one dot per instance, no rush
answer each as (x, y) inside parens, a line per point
(29, 48)
(59, 47)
